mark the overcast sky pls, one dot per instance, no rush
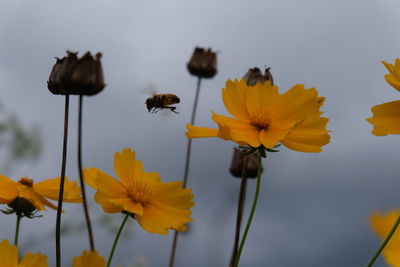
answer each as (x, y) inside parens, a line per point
(314, 209)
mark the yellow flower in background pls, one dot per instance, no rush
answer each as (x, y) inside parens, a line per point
(386, 117)
(264, 117)
(382, 224)
(37, 194)
(89, 259)
(9, 257)
(157, 206)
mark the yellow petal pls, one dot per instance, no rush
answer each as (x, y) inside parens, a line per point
(271, 137)
(106, 204)
(261, 95)
(8, 192)
(173, 194)
(128, 205)
(110, 187)
(233, 96)
(125, 166)
(395, 83)
(89, 259)
(386, 118)
(309, 135)
(31, 260)
(29, 194)
(238, 131)
(200, 132)
(90, 176)
(295, 104)
(8, 254)
(51, 188)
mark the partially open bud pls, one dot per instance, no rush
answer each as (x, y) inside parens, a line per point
(254, 76)
(203, 63)
(238, 164)
(77, 76)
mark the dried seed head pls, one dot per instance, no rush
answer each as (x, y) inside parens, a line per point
(77, 76)
(254, 76)
(203, 63)
(238, 163)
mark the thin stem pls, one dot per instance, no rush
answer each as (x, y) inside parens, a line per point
(253, 208)
(388, 237)
(19, 217)
(186, 172)
(242, 198)
(116, 239)
(84, 202)
(62, 180)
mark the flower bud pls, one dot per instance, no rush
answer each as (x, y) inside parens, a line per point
(254, 76)
(203, 64)
(77, 76)
(238, 164)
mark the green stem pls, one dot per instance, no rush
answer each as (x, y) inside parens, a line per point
(396, 224)
(253, 208)
(116, 239)
(19, 217)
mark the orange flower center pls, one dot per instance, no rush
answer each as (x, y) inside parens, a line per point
(260, 119)
(139, 192)
(26, 181)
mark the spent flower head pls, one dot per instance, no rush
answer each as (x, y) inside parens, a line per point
(156, 205)
(386, 117)
(77, 76)
(263, 118)
(9, 257)
(203, 63)
(25, 197)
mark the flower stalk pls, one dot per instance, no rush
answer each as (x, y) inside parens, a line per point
(82, 183)
(186, 172)
(62, 181)
(19, 217)
(117, 238)
(384, 243)
(241, 201)
(253, 208)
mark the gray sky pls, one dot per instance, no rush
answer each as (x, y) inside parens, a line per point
(314, 209)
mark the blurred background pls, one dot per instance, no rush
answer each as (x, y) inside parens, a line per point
(314, 209)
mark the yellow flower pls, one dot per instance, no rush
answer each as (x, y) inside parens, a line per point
(386, 117)
(37, 194)
(382, 224)
(9, 257)
(263, 117)
(89, 259)
(157, 206)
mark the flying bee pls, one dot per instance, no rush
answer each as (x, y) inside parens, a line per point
(158, 102)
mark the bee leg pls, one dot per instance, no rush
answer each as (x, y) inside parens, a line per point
(173, 110)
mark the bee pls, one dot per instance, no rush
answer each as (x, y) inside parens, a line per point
(158, 102)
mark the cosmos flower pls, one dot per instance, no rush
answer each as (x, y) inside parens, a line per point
(25, 192)
(89, 259)
(386, 117)
(157, 206)
(264, 117)
(382, 224)
(9, 257)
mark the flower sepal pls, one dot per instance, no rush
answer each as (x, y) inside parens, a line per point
(22, 208)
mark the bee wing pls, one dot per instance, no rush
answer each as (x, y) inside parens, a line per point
(150, 90)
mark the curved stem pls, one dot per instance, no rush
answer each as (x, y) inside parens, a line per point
(242, 198)
(62, 180)
(82, 183)
(388, 237)
(186, 172)
(19, 217)
(253, 208)
(116, 239)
